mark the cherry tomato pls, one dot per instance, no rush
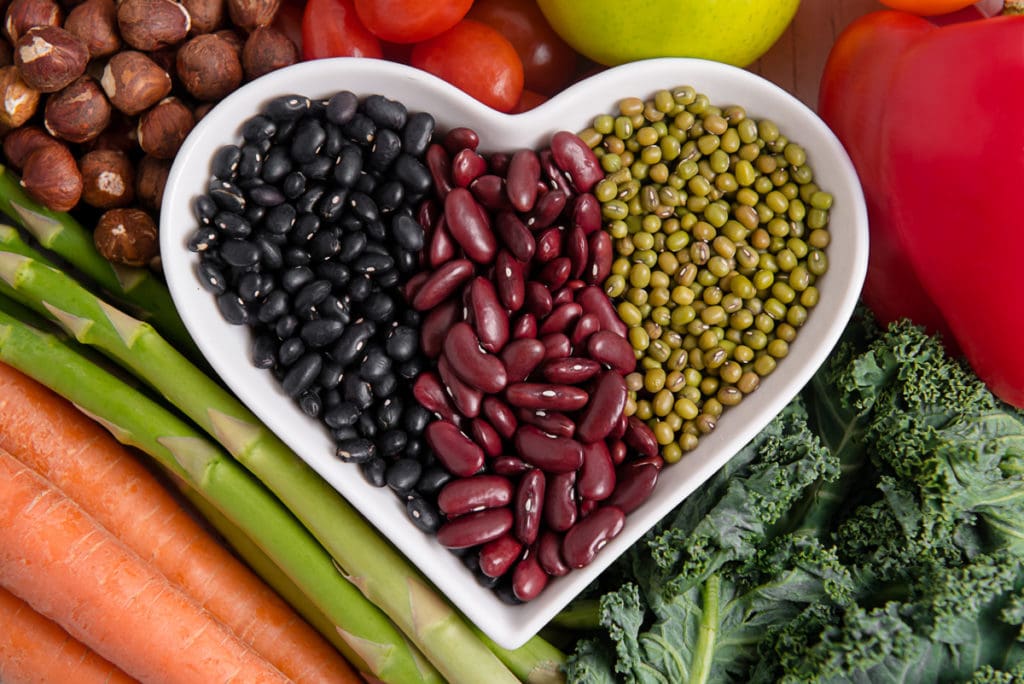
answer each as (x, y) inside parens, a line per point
(548, 61)
(410, 21)
(477, 59)
(928, 7)
(331, 28)
(528, 100)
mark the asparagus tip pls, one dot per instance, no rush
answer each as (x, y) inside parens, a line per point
(10, 262)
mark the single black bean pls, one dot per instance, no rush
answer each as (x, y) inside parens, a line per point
(344, 414)
(291, 350)
(385, 112)
(402, 343)
(254, 213)
(307, 141)
(332, 396)
(379, 307)
(241, 253)
(330, 376)
(303, 230)
(271, 257)
(415, 448)
(375, 364)
(311, 403)
(367, 182)
(360, 288)
(385, 386)
(416, 418)
(321, 332)
(250, 164)
(371, 263)
(392, 442)
(334, 142)
(345, 432)
(408, 232)
(360, 128)
(296, 256)
(411, 369)
(341, 107)
(293, 184)
(406, 262)
(286, 107)
(307, 201)
(205, 209)
(389, 413)
(418, 131)
(318, 168)
(285, 130)
(352, 245)
(302, 374)
(279, 219)
(259, 128)
(324, 245)
(413, 174)
(403, 473)
(349, 166)
(366, 425)
(265, 195)
(389, 196)
(250, 287)
(264, 351)
(296, 277)
(358, 391)
(338, 274)
(363, 206)
(227, 195)
(273, 307)
(232, 308)
(232, 225)
(286, 326)
(350, 345)
(385, 149)
(376, 230)
(423, 514)
(211, 277)
(311, 294)
(356, 450)
(224, 164)
(374, 471)
(277, 164)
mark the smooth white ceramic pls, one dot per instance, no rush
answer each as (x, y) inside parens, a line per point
(227, 347)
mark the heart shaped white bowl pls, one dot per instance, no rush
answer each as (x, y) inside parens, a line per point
(227, 347)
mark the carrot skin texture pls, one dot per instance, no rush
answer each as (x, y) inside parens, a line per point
(36, 649)
(73, 571)
(81, 459)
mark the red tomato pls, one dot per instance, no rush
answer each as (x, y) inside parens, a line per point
(528, 100)
(548, 62)
(928, 7)
(410, 21)
(477, 59)
(331, 28)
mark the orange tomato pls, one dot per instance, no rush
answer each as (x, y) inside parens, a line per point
(928, 7)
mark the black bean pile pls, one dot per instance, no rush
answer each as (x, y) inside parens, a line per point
(306, 234)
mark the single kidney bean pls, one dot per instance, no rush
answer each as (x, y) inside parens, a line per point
(509, 278)
(470, 362)
(525, 327)
(435, 327)
(521, 179)
(521, 357)
(538, 299)
(607, 402)
(600, 252)
(561, 318)
(460, 138)
(489, 191)
(570, 370)
(619, 431)
(470, 225)
(552, 422)
(546, 210)
(431, 395)
(586, 213)
(563, 295)
(557, 346)
(549, 244)
(528, 579)
(443, 283)
(618, 451)
(500, 416)
(597, 475)
(587, 537)
(489, 318)
(439, 165)
(467, 166)
(595, 301)
(573, 156)
(469, 494)
(612, 350)
(510, 466)
(640, 437)
(412, 286)
(634, 483)
(484, 434)
(454, 449)
(555, 177)
(546, 397)
(514, 234)
(587, 325)
(428, 212)
(441, 249)
(474, 529)
(467, 399)
(560, 510)
(549, 453)
(578, 251)
(497, 556)
(549, 554)
(556, 273)
(529, 505)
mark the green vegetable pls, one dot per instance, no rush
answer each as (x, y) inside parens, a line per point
(873, 532)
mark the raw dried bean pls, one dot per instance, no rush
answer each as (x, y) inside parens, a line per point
(549, 453)
(435, 327)
(467, 166)
(484, 434)
(595, 301)
(442, 247)
(509, 279)
(573, 156)
(607, 403)
(586, 213)
(552, 422)
(528, 579)
(597, 475)
(612, 350)
(560, 511)
(557, 346)
(521, 357)
(578, 250)
(587, 325)
(525, 327)
(500, 416)
(556, 179)
(563, 295)
(640, 437)
(474, 529)
(510, 466)
(556, 273)
(587, 537)
(454, 449)
(431, 395)
(619, 431)
(466, 399)
(618, 451)
(599, 266)
(548, 207)
(440, 168)
(489, 191)
(549, 244)
(470, 362)
(538, 299)
(549, 554)
(469, 494)
(634, 483)
(470, 225)
(489, 318)
(514, 234)
(460, 138)
(497, 556)
(521, 179)
(546, 397)
(529, 505)
(442, 283)
(561, 318)
(570, 370)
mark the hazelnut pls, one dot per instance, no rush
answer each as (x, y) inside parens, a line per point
(21, 15)
(207, 15)
(50, 57)
(251, 14)
(23, 141)
(118, 135)
(50, 175)
(126, 236)
(267, 49)
(209, 67)
(108, 179)
(233, 38)
(134, 82)
(19, 101)
(79, 112)
(163, 128)
(152, 24)
(95, 24)
(150, 178)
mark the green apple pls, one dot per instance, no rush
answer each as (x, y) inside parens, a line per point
(615, 31)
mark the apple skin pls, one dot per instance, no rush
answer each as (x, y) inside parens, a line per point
(612, 32)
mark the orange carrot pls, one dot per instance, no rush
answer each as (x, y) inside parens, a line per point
(81, 458)
(35, 649)
(69, 568)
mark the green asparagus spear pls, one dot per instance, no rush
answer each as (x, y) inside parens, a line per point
(372, 641)
(60, 232)
(383, 574)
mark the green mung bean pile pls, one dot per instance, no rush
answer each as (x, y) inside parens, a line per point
(720, 234)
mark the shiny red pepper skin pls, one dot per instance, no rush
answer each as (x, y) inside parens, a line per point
(933, 118)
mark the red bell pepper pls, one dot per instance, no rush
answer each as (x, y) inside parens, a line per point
(933, 119)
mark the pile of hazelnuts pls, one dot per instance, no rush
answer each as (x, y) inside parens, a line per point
(97, 96)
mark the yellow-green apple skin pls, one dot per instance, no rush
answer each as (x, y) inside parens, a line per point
(612, 32)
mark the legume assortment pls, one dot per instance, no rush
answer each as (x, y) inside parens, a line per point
(515, 343)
